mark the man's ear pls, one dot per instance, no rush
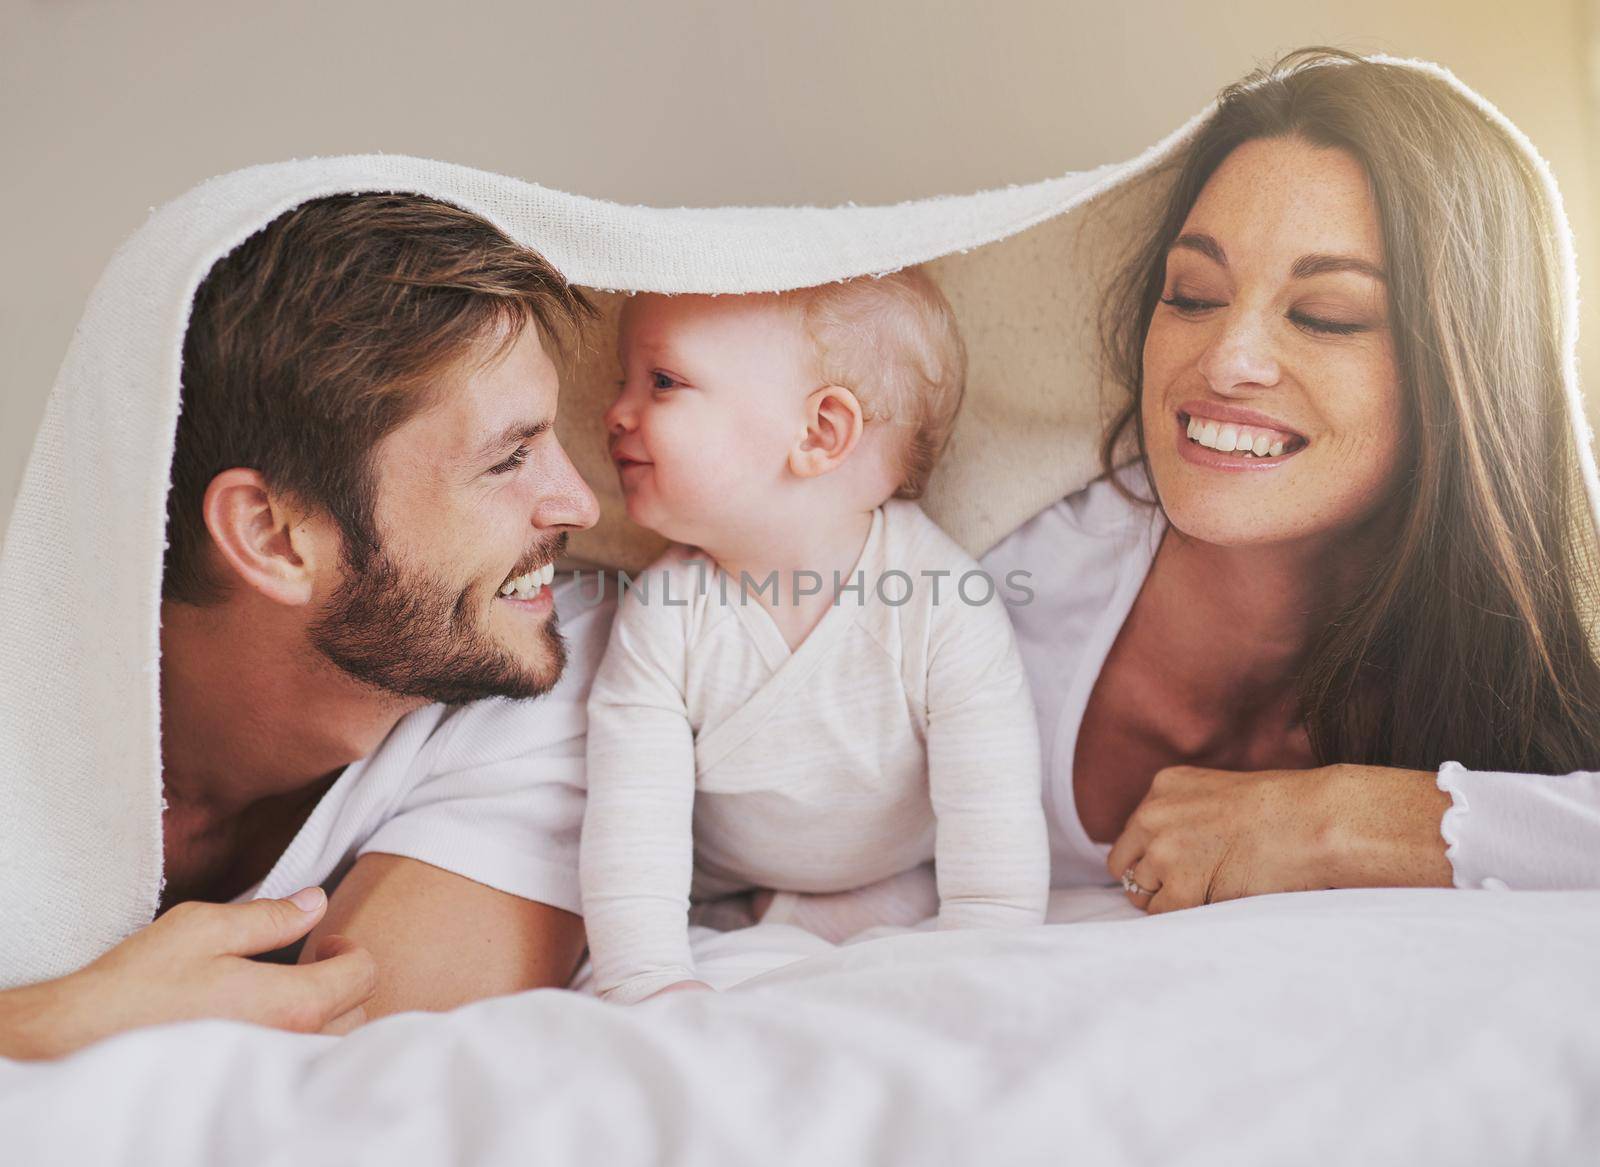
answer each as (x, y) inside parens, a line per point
(264, 542)
(833, 427)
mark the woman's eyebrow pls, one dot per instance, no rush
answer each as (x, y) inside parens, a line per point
(1204, 244)
(1315, 265)
(1303, 268)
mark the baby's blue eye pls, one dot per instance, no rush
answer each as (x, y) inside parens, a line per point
(661, 381)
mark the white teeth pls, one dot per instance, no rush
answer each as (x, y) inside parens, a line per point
(527, 585)
(1228, 438)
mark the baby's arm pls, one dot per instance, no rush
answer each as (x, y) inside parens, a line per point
(992, 853)
(636, 855)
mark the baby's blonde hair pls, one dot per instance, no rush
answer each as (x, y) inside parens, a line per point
(892, 340)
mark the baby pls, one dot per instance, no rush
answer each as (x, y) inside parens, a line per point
(798, 695)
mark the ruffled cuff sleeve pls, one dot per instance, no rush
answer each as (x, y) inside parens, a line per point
(1521, 831)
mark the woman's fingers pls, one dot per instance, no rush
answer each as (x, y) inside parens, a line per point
(1170, 897)
(1130, 845)
(1147, 884)
(1128, 854)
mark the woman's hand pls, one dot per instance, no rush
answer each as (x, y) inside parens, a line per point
(1203, 835)
(191, 963)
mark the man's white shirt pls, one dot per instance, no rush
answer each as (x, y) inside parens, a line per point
(492, 791)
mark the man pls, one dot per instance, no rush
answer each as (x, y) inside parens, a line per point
(367, 495)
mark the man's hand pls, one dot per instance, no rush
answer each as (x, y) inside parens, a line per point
(189, 964)
(1203, 835)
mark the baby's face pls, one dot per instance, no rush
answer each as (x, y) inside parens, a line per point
(711, 401)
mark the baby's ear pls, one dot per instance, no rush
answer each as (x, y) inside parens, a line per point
(833, 427)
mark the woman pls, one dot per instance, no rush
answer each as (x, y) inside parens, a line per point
(1354, 653)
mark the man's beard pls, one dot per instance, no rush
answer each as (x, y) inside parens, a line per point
(405, 632)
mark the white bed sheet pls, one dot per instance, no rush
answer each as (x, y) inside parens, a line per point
(1332, 1027)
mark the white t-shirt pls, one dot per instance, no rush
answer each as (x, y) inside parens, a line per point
(493, 790)
(1088, 556)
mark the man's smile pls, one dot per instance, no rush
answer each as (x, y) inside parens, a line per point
(529, 584)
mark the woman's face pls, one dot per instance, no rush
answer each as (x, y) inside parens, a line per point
(1271, 406)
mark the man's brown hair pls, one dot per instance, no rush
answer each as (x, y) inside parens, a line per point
(323, 332)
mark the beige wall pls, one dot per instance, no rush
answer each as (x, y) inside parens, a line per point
(107, 108)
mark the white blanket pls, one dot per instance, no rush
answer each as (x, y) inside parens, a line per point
(1390, 1027)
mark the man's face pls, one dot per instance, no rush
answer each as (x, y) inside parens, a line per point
(472, 494)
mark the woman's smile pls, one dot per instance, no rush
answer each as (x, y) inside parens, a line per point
(1228, 438)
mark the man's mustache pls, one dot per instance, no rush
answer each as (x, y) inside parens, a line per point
(543, 552)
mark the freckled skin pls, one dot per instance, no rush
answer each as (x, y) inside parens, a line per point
(1269, 203)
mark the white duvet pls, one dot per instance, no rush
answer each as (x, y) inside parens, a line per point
(1360, 1027)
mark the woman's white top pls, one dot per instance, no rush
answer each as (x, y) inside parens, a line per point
(1087, 557)
(899, 730)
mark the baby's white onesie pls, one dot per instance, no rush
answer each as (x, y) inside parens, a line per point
(719, 758)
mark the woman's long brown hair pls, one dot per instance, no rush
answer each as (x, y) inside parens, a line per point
(1470, 642)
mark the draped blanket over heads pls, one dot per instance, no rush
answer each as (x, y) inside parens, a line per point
(80, 580)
